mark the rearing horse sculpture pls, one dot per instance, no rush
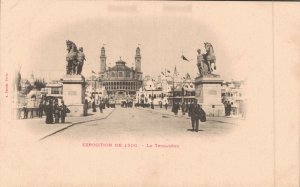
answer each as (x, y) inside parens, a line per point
(210, 57)
(72, 62)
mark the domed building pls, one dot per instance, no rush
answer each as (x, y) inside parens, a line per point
(120, 81)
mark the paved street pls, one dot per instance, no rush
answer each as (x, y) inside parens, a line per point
(137, 122)
(225, 145)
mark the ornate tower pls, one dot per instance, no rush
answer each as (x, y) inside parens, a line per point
(102, 61)
(138, 60)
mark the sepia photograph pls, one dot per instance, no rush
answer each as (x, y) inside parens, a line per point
(149, 93)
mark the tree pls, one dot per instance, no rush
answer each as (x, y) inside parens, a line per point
(18, 81)
(27, 88)
(39, 84)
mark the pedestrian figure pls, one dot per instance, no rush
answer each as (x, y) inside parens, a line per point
(183, 108)
(56, 112)
(107, 103)
(25, 112)
(188, 105)
(94, 106)
(31, 113)
(226, 108)
(152, 105)
(63, 111)
(195, 115)
(85, 107)
(41, 108)
(166, 104)
(229, 108)
(143, 105)
(101, 106)
(175, 108)
(160, 104)
(49, 112)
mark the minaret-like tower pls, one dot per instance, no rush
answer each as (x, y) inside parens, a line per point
(102, 61)
(138, 60)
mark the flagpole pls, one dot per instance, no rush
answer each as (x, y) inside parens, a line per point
(173, 100)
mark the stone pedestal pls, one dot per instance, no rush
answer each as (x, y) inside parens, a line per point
(208, 94)
(74, 94)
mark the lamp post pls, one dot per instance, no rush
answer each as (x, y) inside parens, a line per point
(173, 88)
(182, 92)
(152, 103)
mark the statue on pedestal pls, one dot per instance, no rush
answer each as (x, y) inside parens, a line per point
(81, 59)
(200, 64)
(75, 59)
(206, 63)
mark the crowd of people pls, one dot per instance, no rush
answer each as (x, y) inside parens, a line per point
(27, 111)
(55, 112)
(102, 104)
(193, 109)
(227, 106)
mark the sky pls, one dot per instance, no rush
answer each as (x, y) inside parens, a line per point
(36, 34)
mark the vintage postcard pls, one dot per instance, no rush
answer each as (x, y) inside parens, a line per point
(153, 93)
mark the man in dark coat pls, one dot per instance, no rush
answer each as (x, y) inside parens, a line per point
(56, 112)
(166, 105)
(188, 105)
(183, 108)
(49, 112)
(151, 104)
(85, 108)
(25, 111)
(63, 111)
(41, 109)
(229, 108)
(101, 106)
(94, 106)
(195, 115)
(175, 108)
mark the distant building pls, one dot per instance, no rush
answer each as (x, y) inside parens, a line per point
(120, 81)
(234, 92)
(161, 90)
(53, 90)
(184, 90)
(94, 91)
(150, 92)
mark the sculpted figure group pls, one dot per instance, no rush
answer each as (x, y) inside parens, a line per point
(75, 59)
(206, 63)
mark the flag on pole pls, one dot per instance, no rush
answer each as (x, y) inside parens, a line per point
(168, 71)
(93, 72)
(184, 58)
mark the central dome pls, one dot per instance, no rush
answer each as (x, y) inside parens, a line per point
(120, 62)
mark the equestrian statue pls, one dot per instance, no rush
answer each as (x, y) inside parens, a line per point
(206, 63)
(75, 59)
